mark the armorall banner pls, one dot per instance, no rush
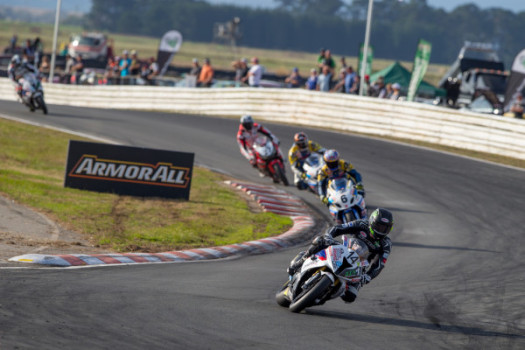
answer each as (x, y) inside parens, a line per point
(516, 82)
(419, 69)
(127, 170)
(168, 47)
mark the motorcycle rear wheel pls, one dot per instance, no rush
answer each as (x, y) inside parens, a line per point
(309, 298)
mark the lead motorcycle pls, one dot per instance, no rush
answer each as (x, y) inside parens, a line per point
(344, 202)
(312, 164)
(269, 159)
(325, 275)
(32, 93)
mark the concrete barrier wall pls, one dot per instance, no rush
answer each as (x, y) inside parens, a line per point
(415, 121)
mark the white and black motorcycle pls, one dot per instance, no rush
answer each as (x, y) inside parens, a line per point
(344, 202)
(32, 93)
(311, 167)
(325, 275)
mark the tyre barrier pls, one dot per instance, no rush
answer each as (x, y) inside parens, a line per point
(269, 198)
(342, 112)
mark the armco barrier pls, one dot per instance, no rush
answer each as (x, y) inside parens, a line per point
(409, 120)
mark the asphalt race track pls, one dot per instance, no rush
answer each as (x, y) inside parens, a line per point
(455, 279)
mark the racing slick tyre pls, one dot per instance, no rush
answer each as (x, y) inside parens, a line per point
(280, 175)
(40, 102)
(308, 299)
(281, 296)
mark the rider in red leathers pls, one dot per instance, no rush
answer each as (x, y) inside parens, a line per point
(246, 135)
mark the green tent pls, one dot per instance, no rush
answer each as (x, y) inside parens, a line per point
(396, 73)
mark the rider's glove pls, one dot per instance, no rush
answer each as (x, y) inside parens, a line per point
(365, 279)
(324, 199)
(360, 189)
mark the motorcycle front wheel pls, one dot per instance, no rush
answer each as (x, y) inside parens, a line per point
(309, 298)
(279, 174)
(41, 104)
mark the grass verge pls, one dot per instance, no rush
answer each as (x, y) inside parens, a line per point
(32, 173)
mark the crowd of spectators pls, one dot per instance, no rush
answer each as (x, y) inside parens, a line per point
(128, 68)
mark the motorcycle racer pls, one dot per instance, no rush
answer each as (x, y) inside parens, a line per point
(301, 149)
(246, 135)
(16, 71)
(334, 168)
(373, 232)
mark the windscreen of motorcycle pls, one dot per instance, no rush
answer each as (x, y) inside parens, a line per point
(263, 147)
(341, 193)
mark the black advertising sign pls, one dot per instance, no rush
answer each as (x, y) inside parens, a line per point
(127, 170)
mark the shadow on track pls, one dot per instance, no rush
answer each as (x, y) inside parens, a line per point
(467, 330)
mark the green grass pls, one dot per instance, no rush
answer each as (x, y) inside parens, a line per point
(32, 173)
(275, 61)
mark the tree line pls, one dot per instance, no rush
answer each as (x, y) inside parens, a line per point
(307, 25)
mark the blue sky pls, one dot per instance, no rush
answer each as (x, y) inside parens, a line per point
(448, 5)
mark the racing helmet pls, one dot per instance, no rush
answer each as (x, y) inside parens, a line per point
(331, 158)
(15, 60)
(247, 122)
(381, 222)
(301, 140)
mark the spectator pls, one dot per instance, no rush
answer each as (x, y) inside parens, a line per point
(124, 64)
(377, 89)
(206, 74)
(45, 68)
(388, 90)
(329, 61)
(77, 69)
(241, 68)
(37, 51)
(311, 82)
(396, 91)
(111, 70)
(366, 86)
(343, 62)
(517, 106)
(195, 67)
(29, 51)
(254, 74)
(153, 68)
(134, 67)
(324, 79)
(349, 79)
(354, 90)
(320, 60)
(66, 76)
(294, 80)
(12, 43)
(340, 85)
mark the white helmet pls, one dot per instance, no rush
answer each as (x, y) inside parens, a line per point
(247, 122)
(15, 60)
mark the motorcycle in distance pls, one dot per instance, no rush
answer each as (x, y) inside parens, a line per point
(269, 159)
(311, 168)
(32, 93)
(325, 275)
(344, 203)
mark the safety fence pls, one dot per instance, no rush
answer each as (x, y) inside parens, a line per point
(409, 120)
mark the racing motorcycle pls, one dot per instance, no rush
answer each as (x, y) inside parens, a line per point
(344, 202)
(311, 167)
(269, 159)
(325, 275)
(32, 93)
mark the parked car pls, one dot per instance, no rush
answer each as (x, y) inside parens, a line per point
(89, 46)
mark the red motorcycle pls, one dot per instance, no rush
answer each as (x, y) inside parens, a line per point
(269, 159)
